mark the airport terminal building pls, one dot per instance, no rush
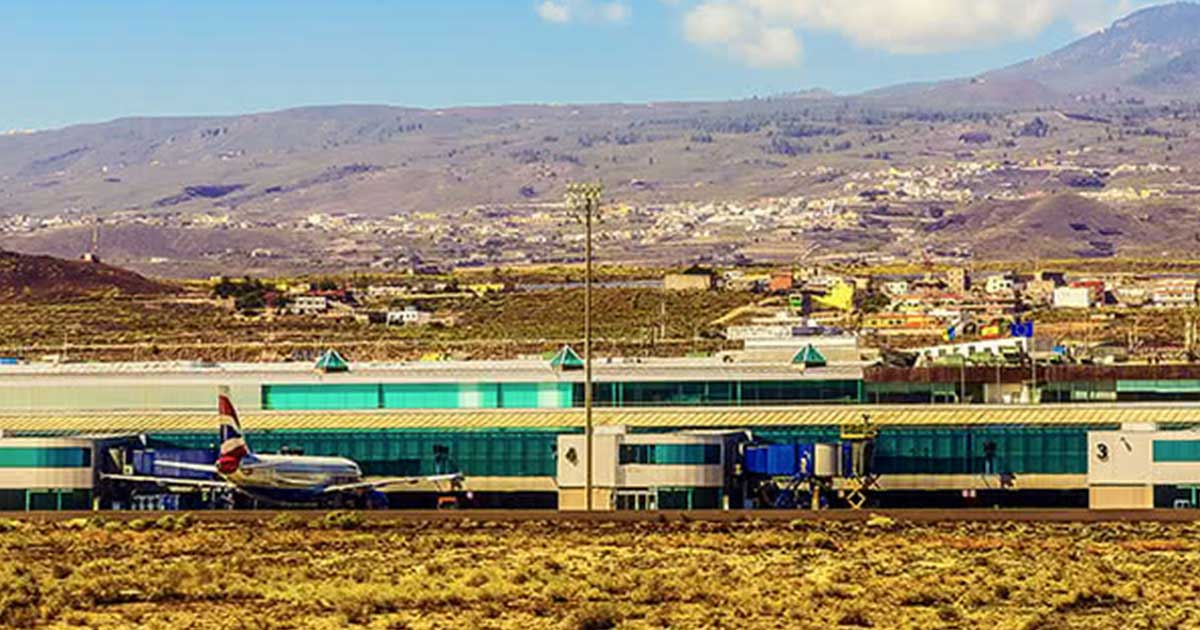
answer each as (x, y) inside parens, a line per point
(945, 434)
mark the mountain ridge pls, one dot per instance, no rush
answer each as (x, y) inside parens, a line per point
(266, 185)
(1109, 59)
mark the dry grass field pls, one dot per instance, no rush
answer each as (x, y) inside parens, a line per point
(338, 571)
(631, 322)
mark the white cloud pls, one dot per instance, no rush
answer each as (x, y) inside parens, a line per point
(763, 32)
(563, 11)
(614, 12)
(554, 12)
(745, 35)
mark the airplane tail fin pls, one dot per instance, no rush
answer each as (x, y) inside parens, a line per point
(233, 442)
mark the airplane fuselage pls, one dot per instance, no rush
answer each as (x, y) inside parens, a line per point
(292, 478)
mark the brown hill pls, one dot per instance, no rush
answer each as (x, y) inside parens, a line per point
(1060, 226)
(25, 277)
(998, 92)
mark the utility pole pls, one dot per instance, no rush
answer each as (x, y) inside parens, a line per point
(1034, 398)
(962, 381)
(585, 198)
(662, 318)
(1189, 335)
(999, 397)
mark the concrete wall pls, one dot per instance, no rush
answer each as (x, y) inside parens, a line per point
(1121, 497)
(575, 499)
(123, 394)
(46, 478)
(608, 475)
(658, 475)
(572, 460)
(835, 349)
(1120, 457)
(1122, 472)
(1130, 458)
(24, 478)
(1072, 297)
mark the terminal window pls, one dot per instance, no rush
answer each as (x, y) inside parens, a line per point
(22, 457)
(676, 454)
(1177, 450)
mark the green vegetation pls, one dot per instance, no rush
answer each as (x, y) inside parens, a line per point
(464, 574)
(249, 295)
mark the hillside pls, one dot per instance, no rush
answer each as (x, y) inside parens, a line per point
(354, 186)
(986, 92)
(1145, 42)
(1180, 73)
(380, 159)
(1149, 55)
(1071, 226)
(36, 278)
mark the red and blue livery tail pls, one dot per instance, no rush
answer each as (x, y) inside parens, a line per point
(233, 442)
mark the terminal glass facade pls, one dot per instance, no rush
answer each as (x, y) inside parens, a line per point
(403, 452)
(531, 452)
(913, 393)
(54, 499)
(57, 457)
(983, 450)
(716, 388)
(357, 396)
(1177, 450)
(721, 393)
(1079, 392)
(301, 397)
(556, 395)
(689, 498)
(1158, 390)
(58, 499)
(1121, 390)
(677, 454)
(965, 451)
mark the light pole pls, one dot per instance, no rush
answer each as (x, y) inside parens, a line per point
(585, 198)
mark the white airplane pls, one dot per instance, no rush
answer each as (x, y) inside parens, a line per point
(280, 479)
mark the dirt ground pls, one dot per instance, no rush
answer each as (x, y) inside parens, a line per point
(338, 571)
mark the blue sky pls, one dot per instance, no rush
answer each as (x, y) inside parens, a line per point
(71, 61)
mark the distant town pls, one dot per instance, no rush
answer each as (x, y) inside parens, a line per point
(933, 315)
(892, 205)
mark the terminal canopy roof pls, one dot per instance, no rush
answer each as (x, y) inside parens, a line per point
(809, 356)
(331, 361)
(566, 359)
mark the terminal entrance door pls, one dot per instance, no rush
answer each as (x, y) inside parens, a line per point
(637, 500)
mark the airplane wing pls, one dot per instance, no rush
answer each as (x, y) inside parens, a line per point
(170, 481)
(208, 468)
(393, 481)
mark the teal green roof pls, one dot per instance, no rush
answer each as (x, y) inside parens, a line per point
(331, 361)
(809, 356)
(566, 359)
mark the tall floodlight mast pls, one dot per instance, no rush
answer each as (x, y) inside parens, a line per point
(584, 199)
